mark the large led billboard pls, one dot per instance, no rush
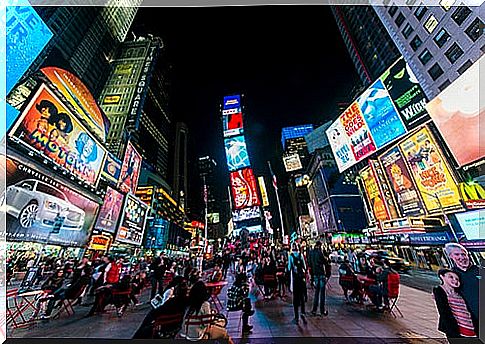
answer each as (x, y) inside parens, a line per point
(112, 168)
(47, 127)
(232, 121)
(236, 153)
(472, 223)
(130, 169)
(244, 189)
(460, 116)
(109, 212)
(231, 102)
(264, 193)
(132, 224)
(292, 162)
(45, 210)
(239, 215)
(340, 144)
(146, 194)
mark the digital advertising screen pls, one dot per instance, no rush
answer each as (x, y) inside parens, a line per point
(239, 215)
(47, 127)
(146, 194)
(236, 153)
(292, 162)
(109, 213)
(231, 102)
(472, 223)
(112, 168)
(264, 193)
(44, 210)
(132, 224)
(374, 195)
(213, 218)
(232, 122)
(459, 116)
(341, 146)
(130, 169)
(361, 141)
(433, 178)
(244, 189)
(302, 181)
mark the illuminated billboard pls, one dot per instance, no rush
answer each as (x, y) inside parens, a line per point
(292, 162)
(109, 212)
(472, 223)
(385, 189)
(244, 189)
(41, 209)
(340, 144)
(459, 116)
(213, 218)
(264, 193)
(236, 153)
(374, 195)
(47, 127)
(112, 168)
(231, 102)
(26, 36)
(301, 181)
(145, 194)
(232, 121)
(130, 169)
(246, 214)
(133, 220)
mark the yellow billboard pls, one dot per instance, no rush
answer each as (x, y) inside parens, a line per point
(264, 193)
(374, 194)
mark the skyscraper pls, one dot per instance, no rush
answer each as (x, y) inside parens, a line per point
(180, 164)
(211, 194)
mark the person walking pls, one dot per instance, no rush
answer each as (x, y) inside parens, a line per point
(297, 268)
(321, 271)
(157, 271)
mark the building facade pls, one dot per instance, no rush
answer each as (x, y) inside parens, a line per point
(212, 197)
(180, 173)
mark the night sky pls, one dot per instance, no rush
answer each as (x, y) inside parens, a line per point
(290, 63)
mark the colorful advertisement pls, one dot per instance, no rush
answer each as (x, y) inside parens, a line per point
(431, 174)
(405, 91)
(340, 144)
(236, 153)
(473, 194)
(302, 181)
(384, 188)
(109, 212)
(246, 214)
(264, 193)
(244, 189)
(41, 209)
(459, 116)
(80, 98)
(472, 223)
(374, 196)
(145, 194)
(380, 115)
(213, 218)
(48, 127)
(112, 168)
(231, 102)
(402, 185)
(133, 220)
(232, 122)
(99, 242)
(292, 162)
(130, 169)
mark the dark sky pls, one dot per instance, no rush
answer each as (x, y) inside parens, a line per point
(289, 62)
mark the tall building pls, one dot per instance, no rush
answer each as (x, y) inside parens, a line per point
(207, 171)
(370, 46)
(438, 42)
(86, 38)
(135, 101)
(294, 132)
(180, 164)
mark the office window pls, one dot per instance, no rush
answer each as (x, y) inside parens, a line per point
(454, 53)
(464, 67)
(460, 14)
(425, 57)
(435, 72)
(408, 30)
(444, 85)
(441, 38)
(399, 19)
(446, 4)
(420, 11)
(475, 29)
(392, 10)
(431, 24)
(416, 43)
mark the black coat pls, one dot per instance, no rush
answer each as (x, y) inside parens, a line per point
(447, 322)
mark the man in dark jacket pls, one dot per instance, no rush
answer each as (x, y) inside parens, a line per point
(157, 271)
(321, 270)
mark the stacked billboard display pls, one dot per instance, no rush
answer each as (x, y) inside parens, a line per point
(132, 224)
(109, 212)
(244, 189)
(236, 153)
(130, 169)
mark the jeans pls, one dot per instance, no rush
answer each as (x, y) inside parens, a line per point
(378, 293)
(320, 283)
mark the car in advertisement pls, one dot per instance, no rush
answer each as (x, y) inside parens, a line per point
(396, 263)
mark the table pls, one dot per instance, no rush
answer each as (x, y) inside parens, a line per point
(22, 309)
(215, 289)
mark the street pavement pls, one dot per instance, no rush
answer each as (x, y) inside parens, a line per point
(420, 279)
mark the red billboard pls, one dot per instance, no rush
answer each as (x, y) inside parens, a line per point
(244, 189)
(130, 170)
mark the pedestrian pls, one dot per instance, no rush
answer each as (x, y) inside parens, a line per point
(297, 268)
(321, 271)
(238, 300)
(157, 271)
(226, 261)
(112, 271)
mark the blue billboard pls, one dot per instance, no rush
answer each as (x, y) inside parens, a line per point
(231, 102)
(157, 234)
(381, 116)
(294, 132)
(236, 153)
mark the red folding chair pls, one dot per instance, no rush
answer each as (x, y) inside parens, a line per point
(67, 305)
(205, 320)
(393, 281)
(167, 326)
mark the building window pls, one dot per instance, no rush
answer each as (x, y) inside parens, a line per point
(392, 10)
(454, 53)
(425, 57)
(408, 30)
(446, 4)
(475, 29)
(444, 85)
(416, 43)
(431, 24)
(464, 67)
(441, 38)
(400, 19)
(420, 11)
(435, 72)
(461, 14)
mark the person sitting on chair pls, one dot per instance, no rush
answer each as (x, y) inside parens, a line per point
(238, 300)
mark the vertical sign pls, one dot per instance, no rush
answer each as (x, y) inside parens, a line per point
(384, 187)
(264, 194)
(374, 196)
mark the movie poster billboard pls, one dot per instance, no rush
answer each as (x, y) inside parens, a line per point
(385, 189)
(244, 189)
(232, 122)
(380, 115)
(373, 193)
(109, 212)
(132, 224)
(45, 210)
(402, 184)
(430, 172)
(407, 94)
(357, 131)
(47, 127)
(460, 116)
(236, 153)
(112, 168)
(130, 169)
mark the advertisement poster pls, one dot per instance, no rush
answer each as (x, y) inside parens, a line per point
(244, 189)
(472, 223)
(133, 221)
(130, 169)
(361, 141)
(99, 242)
(460, 116)
(145, 194)
(231, 102)
(402, 184)
(44, 210)
(407, 94)
(431, 174)
(236, 153)
(246, 214)
(109, 212)
(112, 168)
(292, 162)
(340, 144)
(232, 122)
(264, 193)
(326, 215)
(47, 127)
(157, 234)
(380, 115)
(384, 187)
(374, 196)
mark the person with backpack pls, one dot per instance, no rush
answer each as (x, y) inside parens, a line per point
(297, 268)
(321, 270)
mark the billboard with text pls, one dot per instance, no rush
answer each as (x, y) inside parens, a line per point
(244, 189)
(130, 169)
(109, 212)
(246, 214)
(132, 224)
(236, 153)
(232, 121)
